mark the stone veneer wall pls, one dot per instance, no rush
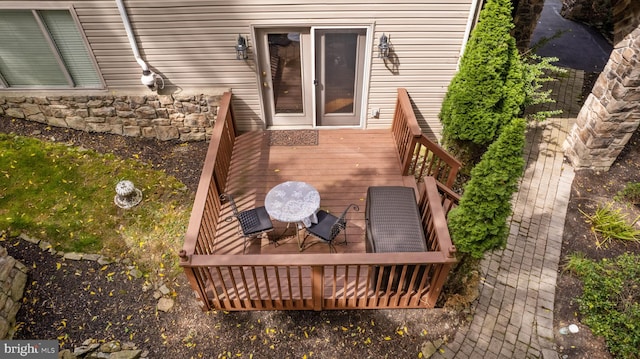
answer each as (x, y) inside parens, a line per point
(184, 117)
(626, 15)
(13, 277)
(611, 113)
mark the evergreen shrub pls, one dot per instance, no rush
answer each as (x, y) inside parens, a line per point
(488, 90)
(479, 223)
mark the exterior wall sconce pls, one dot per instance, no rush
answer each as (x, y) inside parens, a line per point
(383, 47)
(241, 48)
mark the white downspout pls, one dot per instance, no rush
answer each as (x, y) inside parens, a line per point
(148, 77)
(476, 5)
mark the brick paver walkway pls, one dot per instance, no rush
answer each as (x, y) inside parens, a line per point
(513, 317)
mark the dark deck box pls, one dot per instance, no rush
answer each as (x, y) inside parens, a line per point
(394, 225)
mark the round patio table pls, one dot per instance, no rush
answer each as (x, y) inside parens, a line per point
(293, 202)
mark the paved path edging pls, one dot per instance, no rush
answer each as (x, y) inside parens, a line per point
(513, 317)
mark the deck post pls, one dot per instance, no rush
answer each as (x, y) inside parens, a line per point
(197, 286)
(317, 287)
(437, 283)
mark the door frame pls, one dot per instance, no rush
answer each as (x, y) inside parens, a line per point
(260, 58)
(365, 74)
(265, 81)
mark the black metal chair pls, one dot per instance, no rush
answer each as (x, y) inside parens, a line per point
(329, 226)
(251, 223)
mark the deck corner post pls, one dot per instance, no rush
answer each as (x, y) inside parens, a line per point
(198, 287)
(184, 258)
(452, 251)
(437, 283)
(317, 286)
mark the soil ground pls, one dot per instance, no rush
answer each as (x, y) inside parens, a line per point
(73, 301)
(83, 300)
(589, 190)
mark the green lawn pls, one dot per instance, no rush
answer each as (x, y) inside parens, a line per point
(65, 195)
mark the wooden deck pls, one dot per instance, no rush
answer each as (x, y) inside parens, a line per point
(341, 167)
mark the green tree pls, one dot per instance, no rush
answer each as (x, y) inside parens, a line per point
(488, 90)
(537, 71)
(479, 223)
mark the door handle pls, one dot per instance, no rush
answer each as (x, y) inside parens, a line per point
(315, 82)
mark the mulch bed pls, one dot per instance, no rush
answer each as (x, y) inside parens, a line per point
(59, 303)
(589, 190)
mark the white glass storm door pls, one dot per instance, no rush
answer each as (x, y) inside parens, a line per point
(339, 68)
(285, 76)
(311, 76)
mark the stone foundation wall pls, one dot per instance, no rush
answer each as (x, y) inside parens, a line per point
(184, 117)
(13, 277)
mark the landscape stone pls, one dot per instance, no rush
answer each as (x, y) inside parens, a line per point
(126, 354)
(57, 121)
(84, 349)
(164, 289)
(66, 354)
(110, 347)
(6, 265)
(165, 304)
(12, 283)
(104, 260)
(134, 272)
(17, 286)
(428, 349)
(4, 328)
(30, 109)
(73, 256)
(14, 112)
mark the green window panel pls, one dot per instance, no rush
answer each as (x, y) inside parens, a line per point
(44, 49)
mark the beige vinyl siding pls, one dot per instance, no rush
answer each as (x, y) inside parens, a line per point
(190, 43)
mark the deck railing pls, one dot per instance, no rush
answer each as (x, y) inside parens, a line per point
(207, 206)
(419, 155)
(305, 282)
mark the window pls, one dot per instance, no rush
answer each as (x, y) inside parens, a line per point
(43, 48)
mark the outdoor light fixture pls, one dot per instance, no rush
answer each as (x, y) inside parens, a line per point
(241, 48)
(383, 47)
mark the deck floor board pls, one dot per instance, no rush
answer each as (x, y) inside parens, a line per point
(341, 167)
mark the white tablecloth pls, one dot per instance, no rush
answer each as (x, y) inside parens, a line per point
(293, 202)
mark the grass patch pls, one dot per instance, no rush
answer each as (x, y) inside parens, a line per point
(610, 302)
(609, 224)
(630, 193)
(65, 194)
